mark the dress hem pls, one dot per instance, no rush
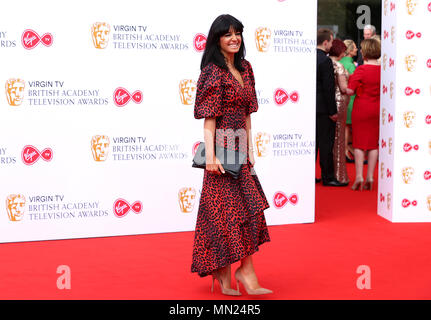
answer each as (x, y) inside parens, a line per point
(234, 260)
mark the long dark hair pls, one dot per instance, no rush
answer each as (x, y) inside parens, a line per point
(212, 53)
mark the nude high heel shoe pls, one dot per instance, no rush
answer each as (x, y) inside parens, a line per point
(358, 184)
(225, 291)
(239, 278)
(368, 185)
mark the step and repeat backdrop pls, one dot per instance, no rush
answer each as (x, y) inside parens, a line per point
(97, 130)
(405, 121)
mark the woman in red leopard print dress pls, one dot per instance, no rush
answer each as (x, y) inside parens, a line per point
(230, 225)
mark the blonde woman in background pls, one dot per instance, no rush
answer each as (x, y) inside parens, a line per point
(349, 65)
(377, 37)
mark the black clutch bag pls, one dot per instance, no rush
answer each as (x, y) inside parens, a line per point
(230, 160)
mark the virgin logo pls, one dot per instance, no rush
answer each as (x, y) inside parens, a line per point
(410, 34)
(427, 175)
(122, 207)
(382, 198)
(408, 147)
(429, 7)
(199, 42)
(122, 97)
(392, 6)
(385, 34)
(409, 91)
(391, 62)
(428, 119)
(30, 155)
(281, 96)
(280, 199)
(390, 118)
(429, 63)
(388, 173)
(406, 203)
(385, 89)
(30, 39)
(195, 147)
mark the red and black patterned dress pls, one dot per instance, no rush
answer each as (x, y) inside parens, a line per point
(230, 223)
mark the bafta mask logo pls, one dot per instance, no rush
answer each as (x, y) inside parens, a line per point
(391, 90)
(392, 34)
(100, 147)
(390, 146)
(388, 200)
(262, 141)
(409, 119)
(411, 6)
(429, 147)
(187, 91)
(429, 202)
(382, 170)
(186, 199)
(385, 7)
(15, 91)
(383, 116)
(263, 39)
(410, 61)
(407, 174)
(384, 60)
(100, 34)
(15, 206)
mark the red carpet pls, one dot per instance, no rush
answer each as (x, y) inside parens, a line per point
(304, 261)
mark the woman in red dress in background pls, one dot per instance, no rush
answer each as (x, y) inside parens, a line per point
(230, 225)
(365, 82)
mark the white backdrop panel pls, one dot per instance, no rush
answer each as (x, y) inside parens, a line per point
(84, 156)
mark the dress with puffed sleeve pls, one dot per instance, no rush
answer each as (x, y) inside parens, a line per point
(230, 224)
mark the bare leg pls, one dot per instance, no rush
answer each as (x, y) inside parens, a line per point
(359, 166)
(359, 163)
(372, 162)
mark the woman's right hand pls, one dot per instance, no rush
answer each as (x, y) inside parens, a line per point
(215, 166)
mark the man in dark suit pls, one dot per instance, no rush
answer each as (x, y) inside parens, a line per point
(326, 108)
